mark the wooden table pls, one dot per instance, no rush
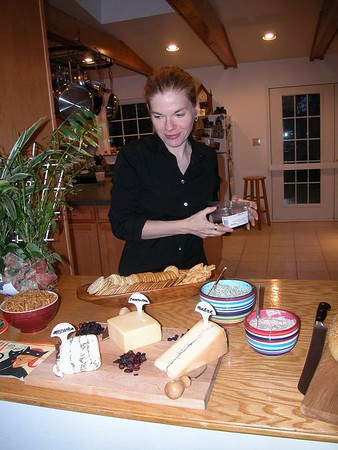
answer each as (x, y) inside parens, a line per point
(252, 394)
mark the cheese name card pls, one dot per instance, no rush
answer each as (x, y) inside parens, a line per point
(134, 329)
(203, 343)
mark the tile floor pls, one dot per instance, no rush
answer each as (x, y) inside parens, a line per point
(292, 250)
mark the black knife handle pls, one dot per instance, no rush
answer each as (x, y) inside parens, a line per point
(322, 310)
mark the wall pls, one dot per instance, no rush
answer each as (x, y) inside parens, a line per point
(244, 94)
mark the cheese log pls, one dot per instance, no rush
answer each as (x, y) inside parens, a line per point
(134, 330)
(202, 344)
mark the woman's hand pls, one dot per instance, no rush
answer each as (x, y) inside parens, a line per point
(199, 225)
(252, 210)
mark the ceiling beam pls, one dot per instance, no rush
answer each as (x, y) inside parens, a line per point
(203, 20)
(63, 28)
(326, 29)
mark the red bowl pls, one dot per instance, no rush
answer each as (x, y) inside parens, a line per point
(32, 321)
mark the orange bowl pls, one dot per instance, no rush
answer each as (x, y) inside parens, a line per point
(34, 320)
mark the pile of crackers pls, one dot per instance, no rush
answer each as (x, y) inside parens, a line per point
(146, 281)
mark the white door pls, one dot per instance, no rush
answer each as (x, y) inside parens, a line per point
(303, 162)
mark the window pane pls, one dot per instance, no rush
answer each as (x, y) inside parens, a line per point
(314, 175)
(302, 176)
(130, 127)
(289, 176)
(314, 193)
(314, 150)
(129, 111)
(314, 104)
(288, 129)
(115, 128)
(145, 126)
(302, 191)
(314, 127)
(289, 151)
(142, 110)
(301, 128)
(301, 151)
(287, 106)
(289, 194)
(130, 139)
(116, 141)
(301, 105)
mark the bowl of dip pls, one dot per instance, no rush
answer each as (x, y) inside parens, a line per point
(232, 300)
(274, 333)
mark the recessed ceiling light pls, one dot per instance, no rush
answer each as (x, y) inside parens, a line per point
(172, 48)
(88, 60)
(269, 36)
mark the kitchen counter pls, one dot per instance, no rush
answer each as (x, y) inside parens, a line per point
(252, 396)
(92, 194)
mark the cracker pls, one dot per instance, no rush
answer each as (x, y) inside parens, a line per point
(173, 269)
(95, 286)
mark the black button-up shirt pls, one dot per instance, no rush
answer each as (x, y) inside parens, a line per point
(148, 185)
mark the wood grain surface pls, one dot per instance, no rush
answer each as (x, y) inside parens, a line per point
(321, 399)
(251, 394)
(147, 385)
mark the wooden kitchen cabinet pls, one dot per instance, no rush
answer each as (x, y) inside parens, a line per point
(95, 250)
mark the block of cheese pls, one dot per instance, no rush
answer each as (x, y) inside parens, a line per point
(203, 343)
(78, 354)
(134, 330)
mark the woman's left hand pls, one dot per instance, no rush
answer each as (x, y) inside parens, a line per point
(252, 210)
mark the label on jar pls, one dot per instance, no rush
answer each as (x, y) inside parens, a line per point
(236, 220)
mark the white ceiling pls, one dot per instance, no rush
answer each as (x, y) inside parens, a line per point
(148, 26)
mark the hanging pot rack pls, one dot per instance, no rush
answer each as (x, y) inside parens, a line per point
(61, 55)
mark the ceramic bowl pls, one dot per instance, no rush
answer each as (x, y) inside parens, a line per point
(34, 320)
(275, 333)
(232, 299)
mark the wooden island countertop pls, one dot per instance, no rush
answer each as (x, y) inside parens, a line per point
(252, 394)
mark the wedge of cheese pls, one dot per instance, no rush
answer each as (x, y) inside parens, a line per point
(202, 344)
(134, 330)
(78, 354)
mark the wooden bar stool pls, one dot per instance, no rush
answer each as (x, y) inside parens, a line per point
(253, 192)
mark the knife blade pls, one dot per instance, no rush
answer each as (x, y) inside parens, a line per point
(316, 347)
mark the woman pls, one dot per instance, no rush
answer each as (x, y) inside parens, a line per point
(163, 183)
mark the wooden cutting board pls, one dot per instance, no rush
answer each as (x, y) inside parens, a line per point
(146, 385)
(321, 399)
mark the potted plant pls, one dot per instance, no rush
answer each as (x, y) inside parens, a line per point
(34, 183)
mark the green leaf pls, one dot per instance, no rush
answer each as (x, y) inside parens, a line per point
(9, 206)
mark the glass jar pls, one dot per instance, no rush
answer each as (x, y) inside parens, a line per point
(230, 214)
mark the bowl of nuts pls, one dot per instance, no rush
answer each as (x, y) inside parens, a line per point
(30, 311)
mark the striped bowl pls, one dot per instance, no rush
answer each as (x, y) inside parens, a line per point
(275, 342)
(229, 309)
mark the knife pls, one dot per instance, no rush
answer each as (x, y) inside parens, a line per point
(316, 348)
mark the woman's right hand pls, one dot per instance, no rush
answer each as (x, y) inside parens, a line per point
(199, 225)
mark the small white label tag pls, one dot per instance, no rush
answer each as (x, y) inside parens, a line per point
(206, 310)
(138, 300)
(236, 220)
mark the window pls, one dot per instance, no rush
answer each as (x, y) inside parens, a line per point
(131, 122)
(301, 144)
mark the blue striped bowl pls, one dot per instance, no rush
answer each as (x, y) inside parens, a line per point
(275, 342)
(230, 310)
